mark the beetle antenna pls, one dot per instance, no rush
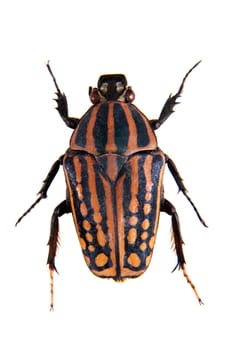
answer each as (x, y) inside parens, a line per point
(53, 77)
(29, 209)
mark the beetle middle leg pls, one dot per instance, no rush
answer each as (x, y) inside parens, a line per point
(61, 209)
(168, 208)
(46, 184)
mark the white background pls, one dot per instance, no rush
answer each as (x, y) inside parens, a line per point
(154, 43)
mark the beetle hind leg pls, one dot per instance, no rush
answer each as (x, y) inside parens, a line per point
(168, 208)
(61, 209)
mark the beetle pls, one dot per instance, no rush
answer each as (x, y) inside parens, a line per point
(114, 175)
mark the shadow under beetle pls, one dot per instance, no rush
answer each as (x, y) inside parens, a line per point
(114, 175)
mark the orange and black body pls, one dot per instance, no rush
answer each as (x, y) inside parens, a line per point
(114, 175)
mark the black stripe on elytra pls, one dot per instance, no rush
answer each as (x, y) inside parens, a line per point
(141, 215)
(100, 131)
(121, 128)
(86, 195)
(142, 134)
(117, 255)
(103, 211)
(134, 248)
(90, 216)
(70, 168)
(155, 174)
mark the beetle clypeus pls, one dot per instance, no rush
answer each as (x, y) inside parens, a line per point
(114, 175)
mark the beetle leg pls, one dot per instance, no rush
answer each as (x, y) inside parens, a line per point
(168, 208)
(62, 108)
(169, 105)
(179, 181)
(62, 105)
(61, 209)
(46, 183)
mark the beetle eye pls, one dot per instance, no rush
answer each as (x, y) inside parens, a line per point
(119, 87)
(104, 88)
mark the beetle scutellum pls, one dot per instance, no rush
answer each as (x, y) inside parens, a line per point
(114, 175)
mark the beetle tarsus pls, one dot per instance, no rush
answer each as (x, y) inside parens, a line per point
(191, 284)
(168, 208)
(62, 106)
(179, 181)
(51, 272)
(28, 210)
(169, 105)
(61, 209)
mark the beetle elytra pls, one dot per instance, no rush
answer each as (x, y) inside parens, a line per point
(114, 176)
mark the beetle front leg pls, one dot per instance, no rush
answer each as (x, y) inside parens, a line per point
(169, 105)
(62, 105)
(46, 184)
(168, 208)
(179, 181)
(61, 209)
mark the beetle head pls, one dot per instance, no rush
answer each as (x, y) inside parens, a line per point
(111, 87)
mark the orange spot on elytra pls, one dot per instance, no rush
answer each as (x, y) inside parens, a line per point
(143, 246)
(148, 196)
(83, 209)
(133, 206)
(91, 248)
(133, 220)
(152, 242)
(144, 235)
(146, 208)
(89, 237)
(145, 224)
(101, 259)
(134, 260)
(82, 243)
(132, 235)
(86, 225)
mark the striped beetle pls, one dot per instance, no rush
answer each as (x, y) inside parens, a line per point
(114, 175)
